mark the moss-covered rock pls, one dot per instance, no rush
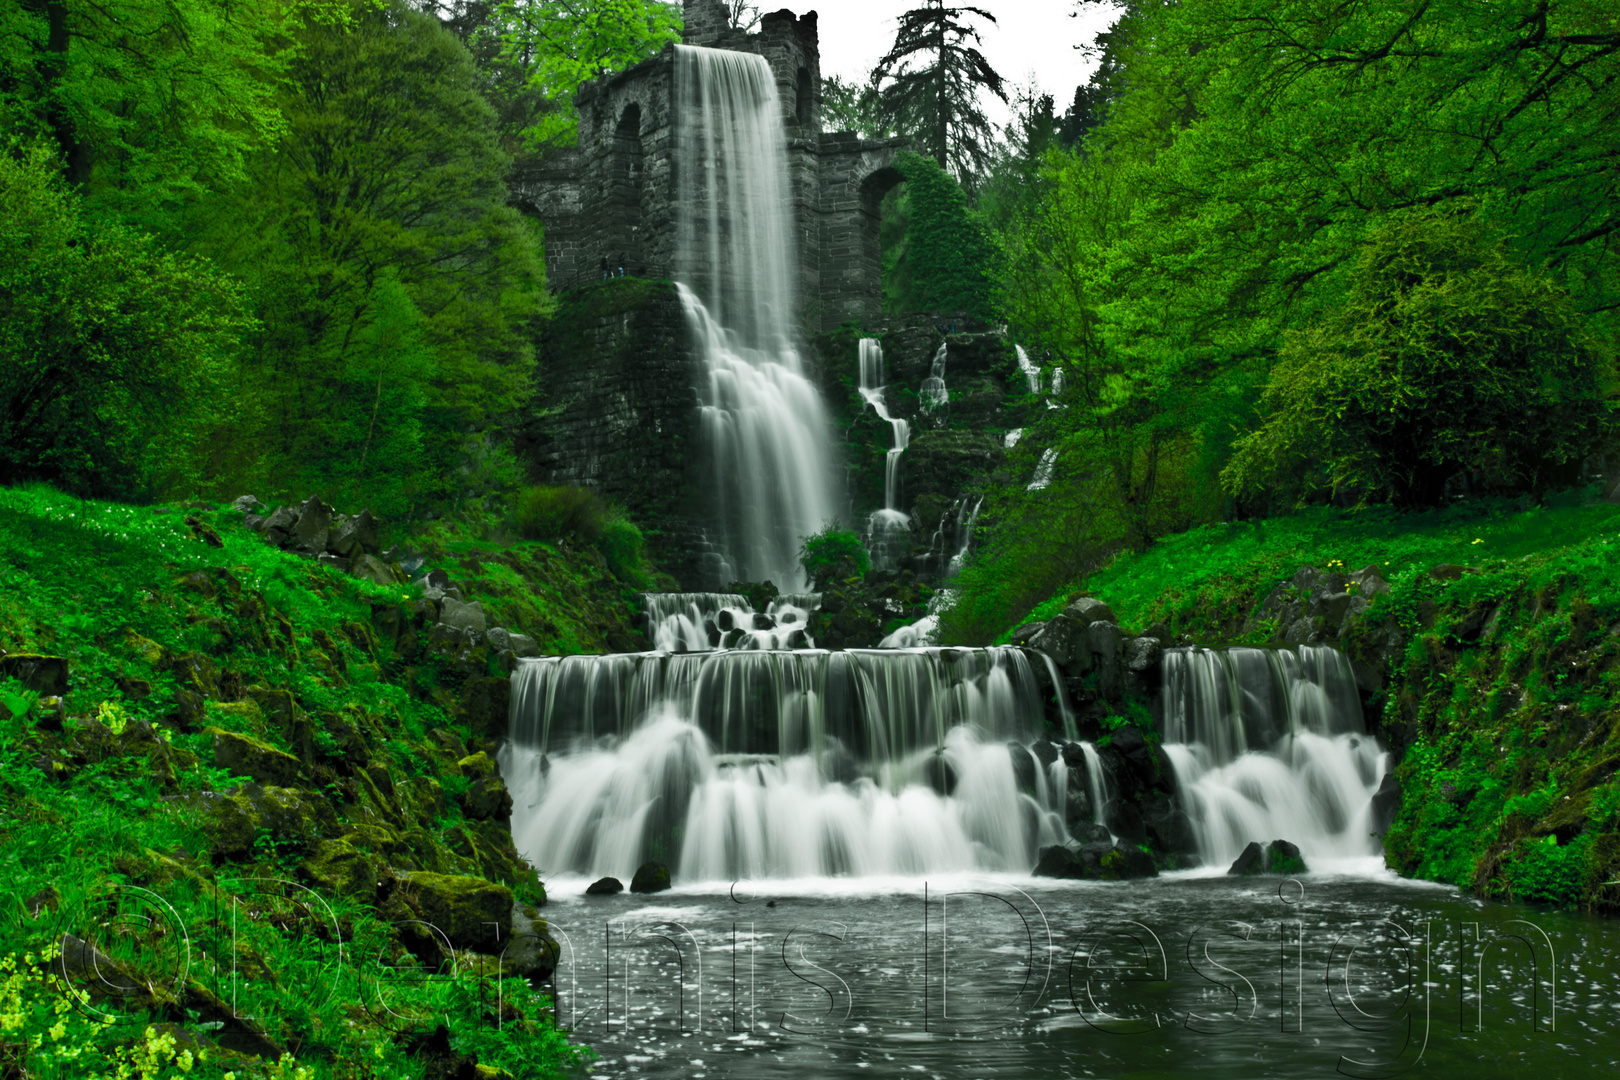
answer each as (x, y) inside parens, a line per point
(337, 868)
(650, 877)
(247, 756)
(470, 912)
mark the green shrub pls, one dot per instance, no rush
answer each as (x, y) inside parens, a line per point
(549, 513)
(821, 555)
(620, 543)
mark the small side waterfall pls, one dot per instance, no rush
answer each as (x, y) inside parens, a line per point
(888, 530)
(772, 764)
(933, 393)
(1269, 744)
(764, 422)
(1031, 370)
(1043, 470)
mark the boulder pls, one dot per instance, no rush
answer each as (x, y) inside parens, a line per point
(1278, 857)
(247, 756)
(372, 569)
(356, 535)
(1143, 654)
(1023, 766)
(281, 520)
(1058, 861)
(1104, 646)
(941, 773)
(470, 912)
(650, 877)
(247, 504)
(1059, 639)
(312, 530)
(1088, 834)
(531, 952)
(235, 817)
(1127, 862)
(338, 868)
(1251, 861)
(1125, 821)
(1168, 827)
(1022, 636)
(1087, 610)
(462, 616)
(486, 800)
(1045, 751)
(608, 886)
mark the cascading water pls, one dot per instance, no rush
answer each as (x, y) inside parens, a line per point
(888, 530)
(1032, 371)
(1043, 470)
(1010, 440)
(771, 764)
(698, 622)
(1268, 744)
(933, 393)
(764, 421)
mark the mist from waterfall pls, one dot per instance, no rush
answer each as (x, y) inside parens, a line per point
(764, 422)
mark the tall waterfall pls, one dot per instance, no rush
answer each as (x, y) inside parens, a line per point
(764, 422)
(1268, 744)
(779, 764)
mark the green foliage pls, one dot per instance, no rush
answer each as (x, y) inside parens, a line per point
(823, 554)
(112, 351)
(547, 513)
(560, 45)
(1443, 356)
(947, 252)
(395, 284)
(620, 543)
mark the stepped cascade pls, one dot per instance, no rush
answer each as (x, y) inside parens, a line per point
(733, 763)
(763, 420)
(1269, 743)
(889, 528)
(699, 622)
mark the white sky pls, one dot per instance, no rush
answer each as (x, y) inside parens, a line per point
(1031, 41)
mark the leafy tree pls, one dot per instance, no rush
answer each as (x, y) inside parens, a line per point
(113, 352)
(395, 284)
(848, 106)
(831, 552)
(562, 44)
(1444, 356)
(149, 100)
(929, 83)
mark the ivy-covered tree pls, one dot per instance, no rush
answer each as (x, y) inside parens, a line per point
(929, 82)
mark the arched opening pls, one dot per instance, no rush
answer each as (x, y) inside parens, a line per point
(623, 225)
(803, 107)
(883, 238)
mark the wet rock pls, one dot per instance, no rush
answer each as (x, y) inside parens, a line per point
(1024, 634)
(1278, 857)
(1089, 834)
(1169, 829)
(1058, 861)
(650, 877)
(1251, 861)
(1386, 804)
(1045, 751)
(725, 621)
(486, 799)
(1125, 821)
(763, 621)
(1126, 862)
(1059, 639)
(1073, 756)
(941, 773)
(531, 952)
(608, 886)
(1105, 647)
(1023, 766)
(1143, 654)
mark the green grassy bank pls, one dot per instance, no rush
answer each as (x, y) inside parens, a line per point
(258, 776)
(1500, 695)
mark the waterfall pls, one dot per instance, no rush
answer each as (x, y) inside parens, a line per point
(1269, 744)
(964, 539)
(1043, 470)
(933, 394)
(763, 420)
(754, 764)
(1032, 372)
(890, 527)
(1010, 440)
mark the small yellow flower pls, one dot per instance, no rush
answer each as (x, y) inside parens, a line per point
(1479, 541)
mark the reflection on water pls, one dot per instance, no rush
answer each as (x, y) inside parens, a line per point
(1187, 975)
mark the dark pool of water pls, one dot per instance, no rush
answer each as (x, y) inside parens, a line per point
(1357, 975)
